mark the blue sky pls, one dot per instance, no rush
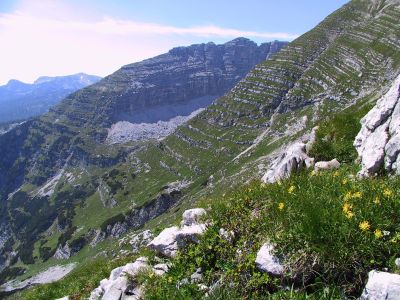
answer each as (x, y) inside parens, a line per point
(58, 37)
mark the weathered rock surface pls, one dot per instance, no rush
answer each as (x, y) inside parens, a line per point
(117, 286)
(165, 243)
(378, 142)
(292, 159)
(140, 240)
(267, 262)
(327, 165)
(171, 239)
(63, 252)
(162, 92)
(192, 216)
(120, 285)
(382, 286)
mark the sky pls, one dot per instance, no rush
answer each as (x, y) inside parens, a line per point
(62, 37)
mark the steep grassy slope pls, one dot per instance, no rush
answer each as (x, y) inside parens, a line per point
(348, 58)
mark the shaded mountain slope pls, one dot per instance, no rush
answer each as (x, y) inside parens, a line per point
(20, 100)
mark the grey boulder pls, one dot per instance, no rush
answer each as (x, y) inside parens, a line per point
(382, 286)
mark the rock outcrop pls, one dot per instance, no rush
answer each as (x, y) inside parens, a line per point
(267, 262)
(382, 286)
(171, 239)
(292, 159)
(378, 142)
(327, 165)
(119, 286)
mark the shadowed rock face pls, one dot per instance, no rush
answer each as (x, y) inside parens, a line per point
(186, 73)
(176, 78)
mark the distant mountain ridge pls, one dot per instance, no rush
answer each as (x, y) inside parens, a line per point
(19, 100)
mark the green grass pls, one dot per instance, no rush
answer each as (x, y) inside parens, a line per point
(315, 223)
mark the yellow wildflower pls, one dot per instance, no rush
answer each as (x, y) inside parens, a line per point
(279, 183)
(357, 195)
(378, 233)
(349, 215)
(281, 206)
(291, 189)
(336, 174)
(345, 181)
(377, 200)
(348, 196)
(313, 173)
(364, 226)
(347, 207)
(388, 193)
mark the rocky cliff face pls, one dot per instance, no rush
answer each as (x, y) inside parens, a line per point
(378, 142)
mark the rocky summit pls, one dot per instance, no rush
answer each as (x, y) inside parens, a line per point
(266, 143)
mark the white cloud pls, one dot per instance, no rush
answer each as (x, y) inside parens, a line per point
(36, 42)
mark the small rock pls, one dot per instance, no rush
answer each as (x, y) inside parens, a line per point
(63, 298)
(189, 234)
(203, 287)
(197, 276)
(160, 269)
(192, 216)
(165, 243)
(227, 235)
(292, 159)
(134, 268)
(267, 262)
(397, 262)
(382, 286)
(115, 290)
(327, 165)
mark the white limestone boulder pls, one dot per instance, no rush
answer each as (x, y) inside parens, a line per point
(327, 165)
(165, 243)
(292, 159)
(190, 234)
(192, 216)
(382, 286)
(160, 269)
(267, 262)
(117, 286)
(169, 241)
